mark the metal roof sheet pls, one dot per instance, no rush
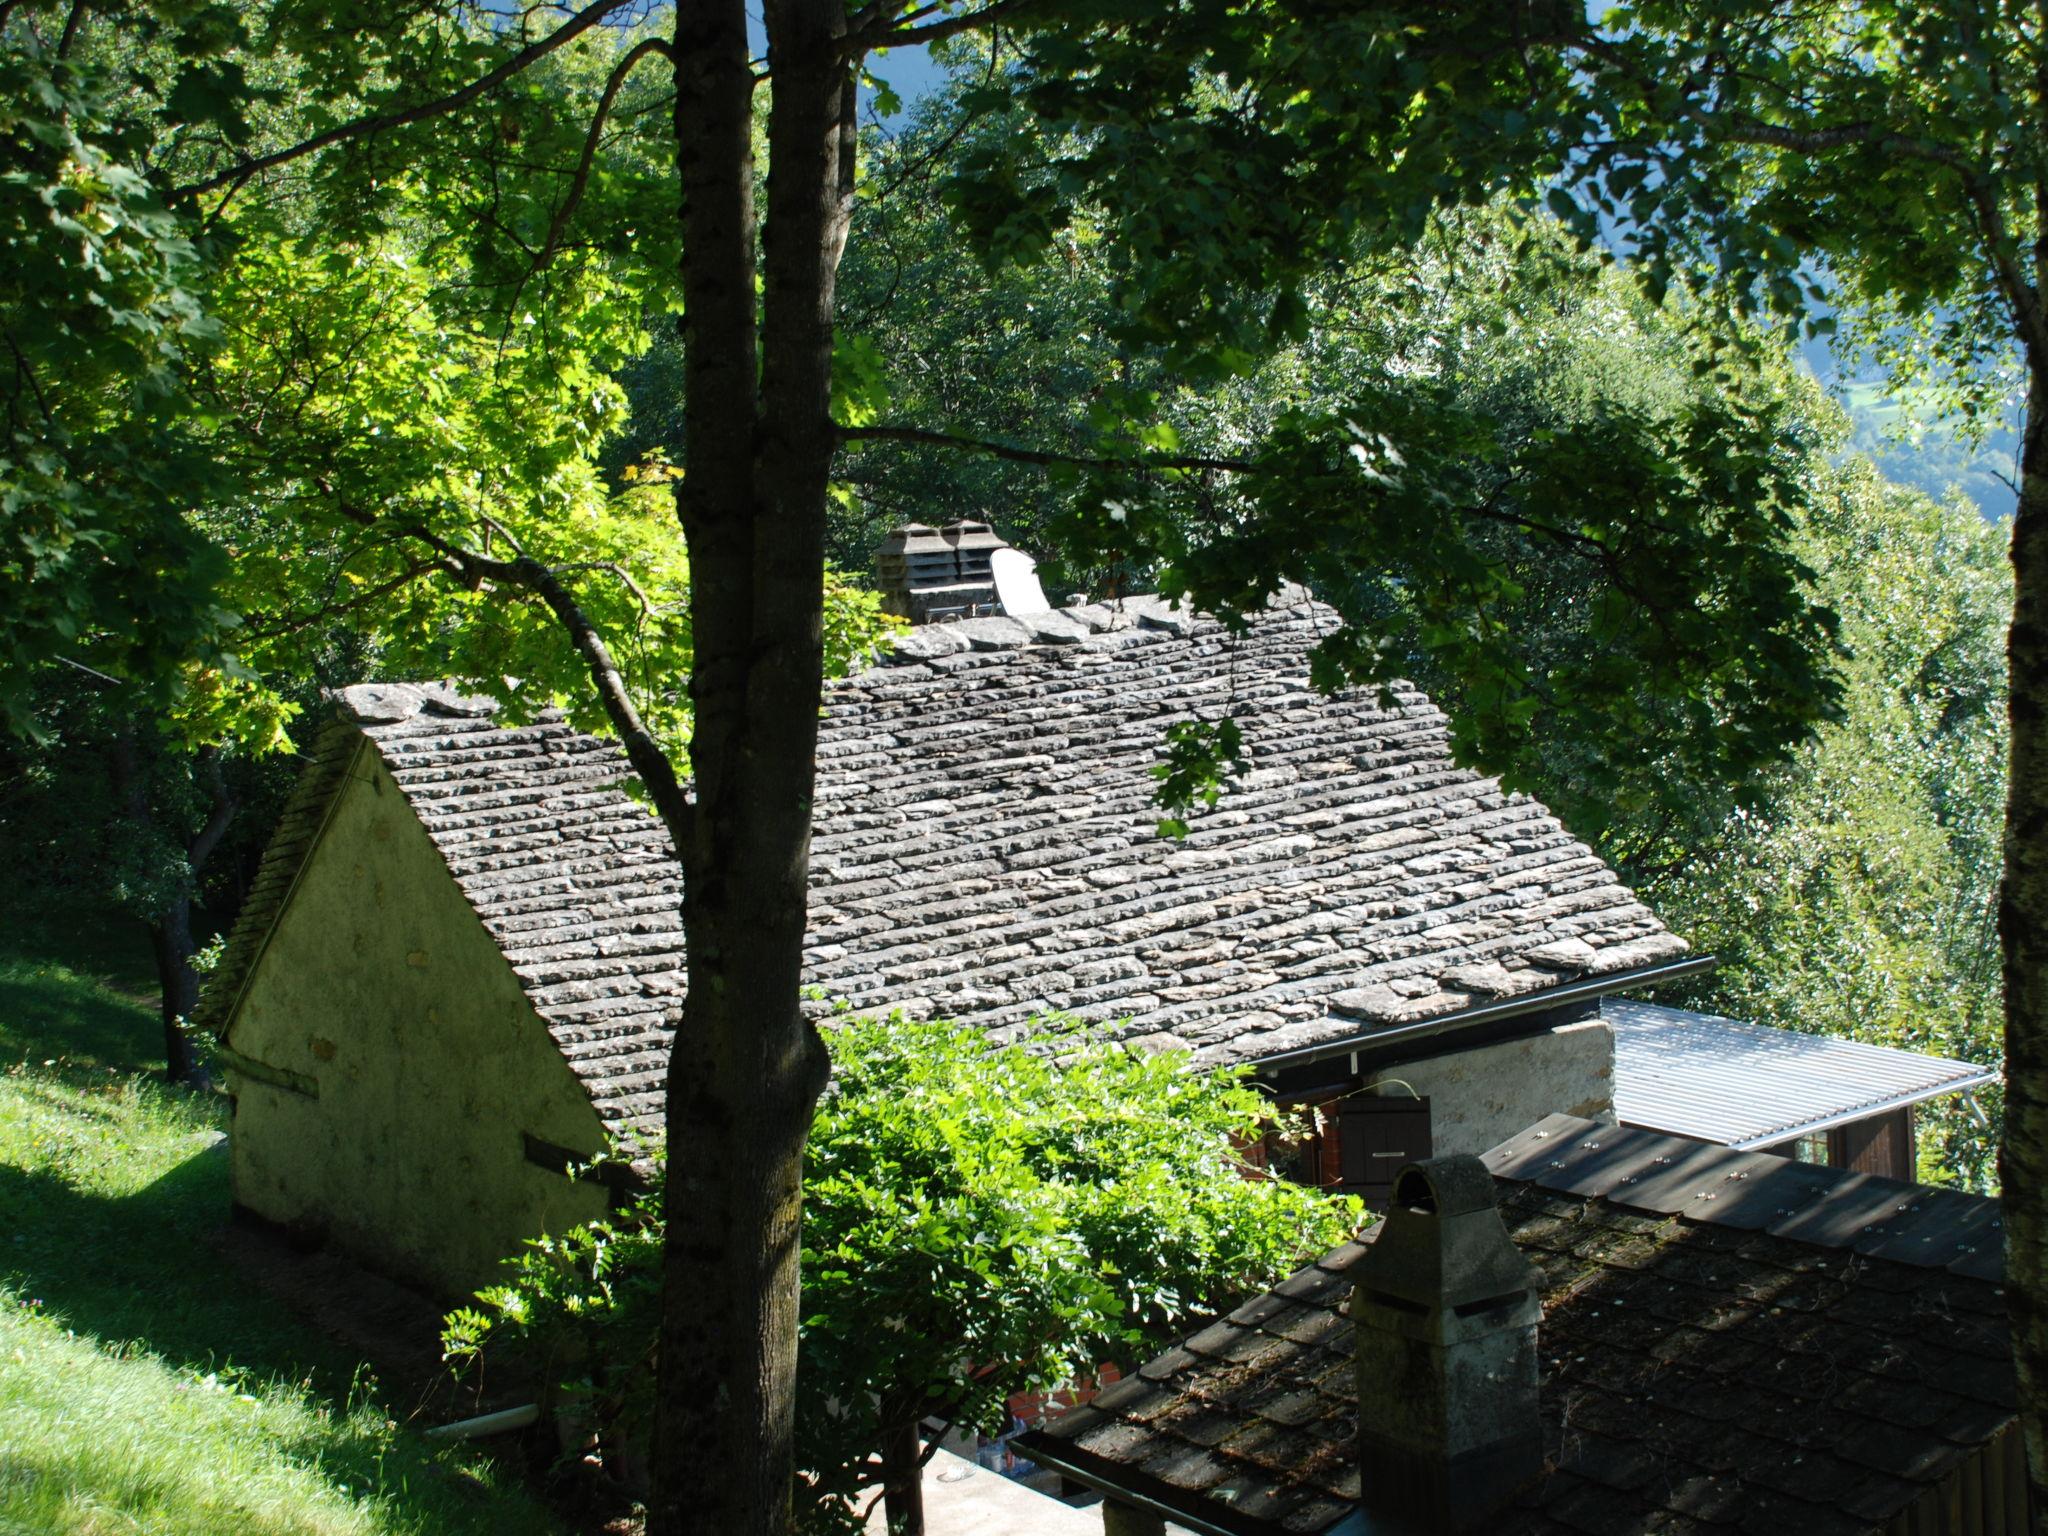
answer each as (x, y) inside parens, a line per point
(1750, 1085)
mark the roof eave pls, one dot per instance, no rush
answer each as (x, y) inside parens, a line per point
(1855, 1113)
(1045, 1449)
(1585, 988)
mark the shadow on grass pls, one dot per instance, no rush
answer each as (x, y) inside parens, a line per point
(145, 1272)
(49, 1012)
(94, 940)
(142, 1269)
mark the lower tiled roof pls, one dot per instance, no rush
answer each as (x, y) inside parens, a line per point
(1703, 1370)
(986, 849)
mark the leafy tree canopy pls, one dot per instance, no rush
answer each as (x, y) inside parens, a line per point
(1857, 894)
(1226, 158)
(1477, 443)
(99, 310)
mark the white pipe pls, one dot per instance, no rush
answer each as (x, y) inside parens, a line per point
(487, 1424)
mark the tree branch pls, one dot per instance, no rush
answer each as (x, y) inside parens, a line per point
(71, 23)
(288, 624)
(649, 761)
(871, 14)
(953, 136)
(1745, 128)
(362, 127)
(2024, 297)
(1041, 456)
(625, 577)
(581, 179)
(857, 43)
(1982, 195)
(223, 807)
(27, 374)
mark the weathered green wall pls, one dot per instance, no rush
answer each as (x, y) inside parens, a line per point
(1481, 1097)
(380, 983)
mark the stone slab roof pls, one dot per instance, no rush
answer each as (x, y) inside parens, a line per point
(1731, 1342)
(986, 850)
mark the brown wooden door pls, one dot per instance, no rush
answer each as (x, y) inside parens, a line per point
(1378, 1137)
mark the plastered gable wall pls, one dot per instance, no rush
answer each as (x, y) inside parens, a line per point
(380, 983)
(1482, 1096)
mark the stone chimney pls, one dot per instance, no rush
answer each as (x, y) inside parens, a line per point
(1445, 1313)
(972, 544)
(928, 574)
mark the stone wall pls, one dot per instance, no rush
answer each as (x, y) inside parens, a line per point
(1481, 1096)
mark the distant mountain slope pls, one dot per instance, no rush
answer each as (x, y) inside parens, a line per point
(1935, 458)
(1930, 455)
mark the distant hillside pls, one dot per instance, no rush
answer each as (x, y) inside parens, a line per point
(1934, 459)
(1931, 456)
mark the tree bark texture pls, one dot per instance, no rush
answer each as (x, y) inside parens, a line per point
(2023, 931)
(170, 940)
(748, 1067)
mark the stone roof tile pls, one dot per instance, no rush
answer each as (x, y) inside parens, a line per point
(986, 846)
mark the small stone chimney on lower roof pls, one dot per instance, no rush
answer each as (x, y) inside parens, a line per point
(1445, 1310)
(930, 574)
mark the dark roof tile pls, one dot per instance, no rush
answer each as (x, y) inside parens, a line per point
(1697, 1375)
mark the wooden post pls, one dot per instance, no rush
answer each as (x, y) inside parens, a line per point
(1121, 1519)
(1881, 1144)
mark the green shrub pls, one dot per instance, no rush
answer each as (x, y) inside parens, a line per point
(977, 1222)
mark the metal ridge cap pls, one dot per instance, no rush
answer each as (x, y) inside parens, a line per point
(1501, 1008)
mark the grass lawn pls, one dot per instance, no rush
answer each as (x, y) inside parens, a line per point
(144, 1386)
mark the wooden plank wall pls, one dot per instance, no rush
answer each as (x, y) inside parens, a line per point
(1883, 1145)
(1985, 1496)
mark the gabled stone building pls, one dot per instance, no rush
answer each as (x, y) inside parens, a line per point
(457, 969)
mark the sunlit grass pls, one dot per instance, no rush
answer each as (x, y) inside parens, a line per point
(144, 1388)
(102, 1439)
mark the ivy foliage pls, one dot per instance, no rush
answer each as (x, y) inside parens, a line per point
(978, 1222)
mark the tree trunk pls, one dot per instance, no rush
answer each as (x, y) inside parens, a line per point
(131, 763)
(170, 938)
(903, 1479)
(748, 1066)
(2023, 933)
(172, 932)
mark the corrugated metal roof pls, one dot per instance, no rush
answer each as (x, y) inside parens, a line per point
(1749, 1085)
